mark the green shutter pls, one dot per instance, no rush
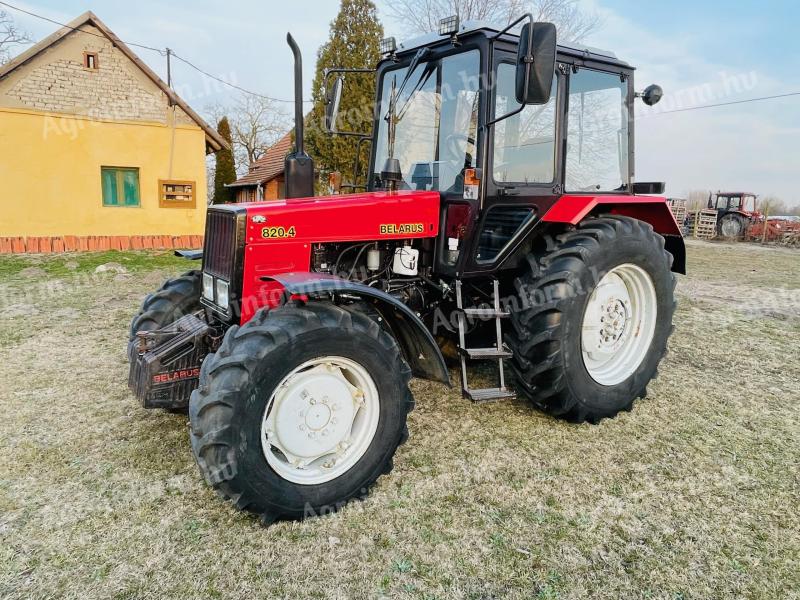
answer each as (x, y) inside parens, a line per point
(109, 177)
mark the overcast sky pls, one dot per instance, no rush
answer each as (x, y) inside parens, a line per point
(700, 52)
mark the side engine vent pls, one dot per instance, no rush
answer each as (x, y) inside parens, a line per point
(499, 226)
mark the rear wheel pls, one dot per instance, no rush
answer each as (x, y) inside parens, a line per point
(594, 320)
(732, 226)
(300, 410)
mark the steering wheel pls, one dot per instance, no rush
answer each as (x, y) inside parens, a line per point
(456, 146)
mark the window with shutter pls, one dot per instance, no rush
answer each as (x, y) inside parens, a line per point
(120, 186)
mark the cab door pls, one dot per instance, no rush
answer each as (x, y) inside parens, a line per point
(523, 174)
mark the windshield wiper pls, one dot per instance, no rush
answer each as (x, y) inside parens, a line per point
(392, 173)
(421, 53)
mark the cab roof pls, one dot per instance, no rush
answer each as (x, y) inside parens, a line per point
(489, 30)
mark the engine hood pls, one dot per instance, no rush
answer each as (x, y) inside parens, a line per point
(344, 218)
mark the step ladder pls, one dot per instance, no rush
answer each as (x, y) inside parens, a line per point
(499, 352)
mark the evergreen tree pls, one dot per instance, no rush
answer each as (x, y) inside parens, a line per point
(225, 171)
(354, 42)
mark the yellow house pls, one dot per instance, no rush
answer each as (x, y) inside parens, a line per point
(96, 151)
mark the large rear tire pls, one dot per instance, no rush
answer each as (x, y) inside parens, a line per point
(732, 226)
(595, 315)
(264, 427)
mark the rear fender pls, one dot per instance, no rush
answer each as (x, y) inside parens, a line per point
(416, 342)
(572, 209)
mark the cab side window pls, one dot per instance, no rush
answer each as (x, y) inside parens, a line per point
(597, 132)
(524, 144)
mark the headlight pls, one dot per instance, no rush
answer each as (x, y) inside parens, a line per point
(222, 293)
(208, 287)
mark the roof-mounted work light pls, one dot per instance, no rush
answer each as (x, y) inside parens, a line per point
(449, 25)
(388, 46)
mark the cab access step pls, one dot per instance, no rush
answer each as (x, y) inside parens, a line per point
(498, 352)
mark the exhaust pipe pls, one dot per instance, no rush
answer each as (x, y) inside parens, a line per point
(299, 166)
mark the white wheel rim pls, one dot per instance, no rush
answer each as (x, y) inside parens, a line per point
(618, 324)
(320, 420)
(730, 227)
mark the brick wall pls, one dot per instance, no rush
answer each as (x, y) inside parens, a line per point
(97, 243)
(58, 82)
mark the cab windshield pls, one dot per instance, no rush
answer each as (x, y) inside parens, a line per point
(437, 122)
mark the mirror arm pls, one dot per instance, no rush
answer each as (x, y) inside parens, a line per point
(352, 134)
(510, 26)
(331, 71)
(505, 116)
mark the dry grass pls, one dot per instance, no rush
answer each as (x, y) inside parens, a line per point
(694, 494)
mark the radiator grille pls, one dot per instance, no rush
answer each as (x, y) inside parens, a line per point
(220, 244)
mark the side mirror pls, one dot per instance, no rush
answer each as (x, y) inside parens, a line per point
(536, 63)
(332, 99)
(652, 94)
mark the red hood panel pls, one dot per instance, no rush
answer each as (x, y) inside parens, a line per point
(352, 217)
(280, 234)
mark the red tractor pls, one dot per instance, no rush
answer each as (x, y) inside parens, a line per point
(500, 206)
(736, 211)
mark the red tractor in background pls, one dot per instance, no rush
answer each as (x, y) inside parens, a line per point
(500, 213)
(736, 211)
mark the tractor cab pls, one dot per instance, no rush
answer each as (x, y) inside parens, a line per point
(726, 202)
(499, 134)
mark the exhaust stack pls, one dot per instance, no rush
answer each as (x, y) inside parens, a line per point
(299, 166)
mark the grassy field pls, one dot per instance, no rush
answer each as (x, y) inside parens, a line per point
(694, 494)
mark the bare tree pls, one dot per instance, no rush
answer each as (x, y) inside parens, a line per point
(574, 23)
(697, 200)
(772, 206)
(256, 124)
(10, 36)
(422, 16)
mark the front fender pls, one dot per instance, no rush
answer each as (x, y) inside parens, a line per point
(416, 342)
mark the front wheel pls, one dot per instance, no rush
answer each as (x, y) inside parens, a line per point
(300, 410)
(595, 315)
(175, 298)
